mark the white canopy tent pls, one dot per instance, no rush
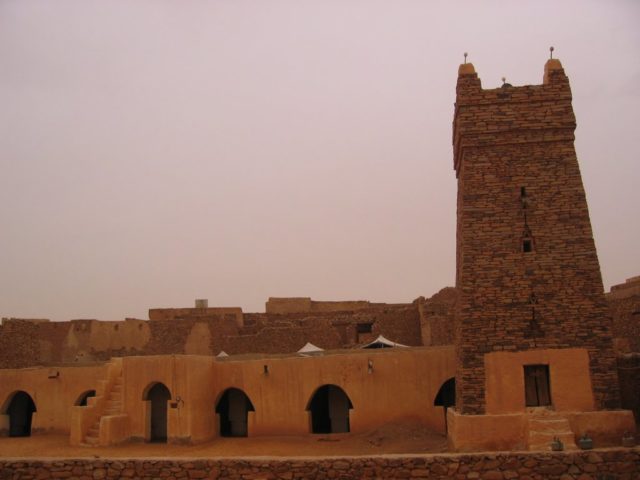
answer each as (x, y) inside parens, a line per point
(383, 342)
(310, 349)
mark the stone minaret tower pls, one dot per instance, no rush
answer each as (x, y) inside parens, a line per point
(527, 271)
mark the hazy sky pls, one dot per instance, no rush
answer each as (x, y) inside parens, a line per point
(153, 151)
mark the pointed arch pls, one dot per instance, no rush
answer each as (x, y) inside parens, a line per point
(234, 406)
(19, 406)
(329, 409)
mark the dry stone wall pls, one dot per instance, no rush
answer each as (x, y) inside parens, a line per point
(614, 464)
(624, 301)
(518, 179)
(629, 375)
(25, 343)
(437, 317)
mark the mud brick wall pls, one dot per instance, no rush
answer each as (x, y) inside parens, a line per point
(506, 139)
(595, 465)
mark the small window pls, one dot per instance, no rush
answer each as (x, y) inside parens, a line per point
(527, 245)
(523, 198)
(364, 327)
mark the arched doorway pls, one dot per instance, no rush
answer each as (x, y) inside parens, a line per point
(234, 407)
(446, 397)
(20, 407)
(84, 396)
(329, 408)
(158, 396)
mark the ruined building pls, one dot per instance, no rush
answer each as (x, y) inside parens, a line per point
(523, 349)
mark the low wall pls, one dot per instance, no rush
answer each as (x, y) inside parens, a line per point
(610, 464)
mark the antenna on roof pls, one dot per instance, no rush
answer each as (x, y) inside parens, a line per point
(551, 52)
(465, 57)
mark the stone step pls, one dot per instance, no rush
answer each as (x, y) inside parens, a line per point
(92, 441)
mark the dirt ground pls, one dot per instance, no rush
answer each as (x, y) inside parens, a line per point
(390, 438)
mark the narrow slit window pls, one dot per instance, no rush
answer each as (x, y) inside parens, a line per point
(527, 245)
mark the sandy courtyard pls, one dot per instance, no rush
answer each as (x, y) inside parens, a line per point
(387, 439)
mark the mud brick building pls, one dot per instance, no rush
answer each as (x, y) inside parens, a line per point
(522, 350)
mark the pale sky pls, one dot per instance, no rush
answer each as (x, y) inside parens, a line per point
(153, 152)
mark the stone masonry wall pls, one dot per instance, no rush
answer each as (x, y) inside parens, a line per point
(437, 317)
(518, 178)
(629, 375)
(305, 305)
(25, 343)
(273, 333)
(615, 464)
(624, 303)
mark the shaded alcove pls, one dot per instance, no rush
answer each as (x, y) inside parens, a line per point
(329, 407)
(158, 396)
(84, 396)
(20, 408)
(234, 407)
(446, 397)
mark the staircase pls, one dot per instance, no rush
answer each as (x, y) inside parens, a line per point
(103, 421)
(546, 425)
(112, 406)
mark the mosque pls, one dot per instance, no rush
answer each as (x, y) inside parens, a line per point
(525, 349)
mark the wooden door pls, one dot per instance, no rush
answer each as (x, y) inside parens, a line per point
(536, 385)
